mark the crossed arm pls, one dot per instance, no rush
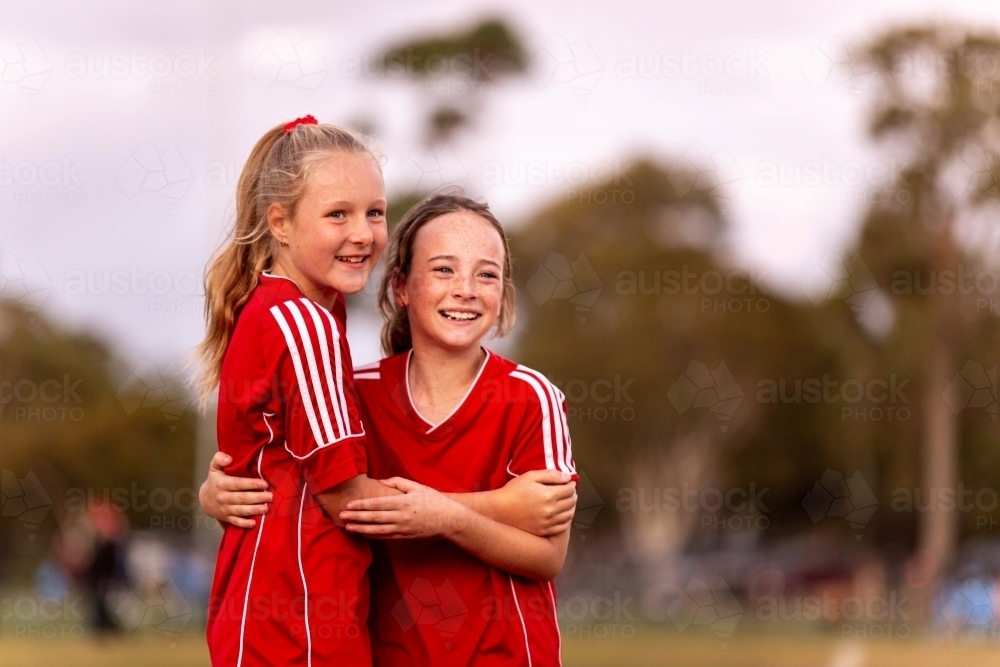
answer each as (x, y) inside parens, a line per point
(522, 528)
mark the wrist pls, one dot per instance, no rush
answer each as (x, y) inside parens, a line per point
(456, 521)
(503, 500)
(201, 498)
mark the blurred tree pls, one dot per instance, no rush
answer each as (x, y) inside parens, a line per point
(937, 104)
(456, 70)
(65, 404)
(622, 290)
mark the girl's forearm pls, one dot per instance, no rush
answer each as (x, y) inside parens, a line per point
(491, 504)
(506, 547)
(335, 500)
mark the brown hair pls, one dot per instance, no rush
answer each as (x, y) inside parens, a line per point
(399, 255)
(275, 173)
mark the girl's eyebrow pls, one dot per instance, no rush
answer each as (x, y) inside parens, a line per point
(453, 258)
(348, 204)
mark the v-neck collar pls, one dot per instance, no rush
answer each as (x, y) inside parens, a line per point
(406, 382)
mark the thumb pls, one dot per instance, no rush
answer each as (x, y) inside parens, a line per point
(220, 461)
(547, 476)
(401, 484)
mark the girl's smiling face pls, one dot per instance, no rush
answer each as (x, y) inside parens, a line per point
(338, 232)
(454, 288)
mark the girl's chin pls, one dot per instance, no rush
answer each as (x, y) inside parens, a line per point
(457, 344)
(351, 284)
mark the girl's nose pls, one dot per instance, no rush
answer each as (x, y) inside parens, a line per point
(361, 232)
(466, 287)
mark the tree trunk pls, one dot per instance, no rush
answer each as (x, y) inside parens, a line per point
(938, 523)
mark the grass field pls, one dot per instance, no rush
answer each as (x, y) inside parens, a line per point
(645, 648)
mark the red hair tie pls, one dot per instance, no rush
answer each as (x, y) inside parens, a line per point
(305, 120)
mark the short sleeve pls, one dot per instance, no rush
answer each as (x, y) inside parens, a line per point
(322, 426)
(543, 440)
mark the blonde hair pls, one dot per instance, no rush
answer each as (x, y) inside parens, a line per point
(275, 173)
(399, 255)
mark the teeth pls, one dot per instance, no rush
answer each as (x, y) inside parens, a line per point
(352, 260)
(453, 315)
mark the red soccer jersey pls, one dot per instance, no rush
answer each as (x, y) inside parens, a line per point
(434, 604)
(293, 590)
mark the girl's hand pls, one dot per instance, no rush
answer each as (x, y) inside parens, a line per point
(540, 502)
(419, 512)
(228, 499)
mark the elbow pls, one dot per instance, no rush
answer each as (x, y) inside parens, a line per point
(547, 569)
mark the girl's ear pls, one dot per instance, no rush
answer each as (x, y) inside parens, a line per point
(279, 223)
(399, 292)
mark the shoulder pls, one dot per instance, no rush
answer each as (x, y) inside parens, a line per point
(528, 386)
(369, 371)
(369, 376)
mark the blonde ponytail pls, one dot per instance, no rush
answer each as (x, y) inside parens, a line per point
(275, 172)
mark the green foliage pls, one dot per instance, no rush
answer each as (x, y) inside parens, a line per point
(489, 50)
(646, 331)
(63, 417)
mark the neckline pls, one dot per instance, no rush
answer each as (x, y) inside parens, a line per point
(458, 406)
(272, 276)
(277, 277)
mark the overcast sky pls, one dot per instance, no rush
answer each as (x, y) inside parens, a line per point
(126, 173)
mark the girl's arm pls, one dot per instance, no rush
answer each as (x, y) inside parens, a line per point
(422, 512)
(535, 502)
(336, 500)
(540, 502)
(235, 500)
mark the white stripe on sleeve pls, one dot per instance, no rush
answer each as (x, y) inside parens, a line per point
(325, 354)
(560, 426)
(546, 427)
(339, 367)
(300, 375)
(317, 382)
